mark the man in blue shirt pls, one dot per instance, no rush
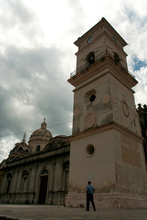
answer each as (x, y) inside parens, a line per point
(89, 196)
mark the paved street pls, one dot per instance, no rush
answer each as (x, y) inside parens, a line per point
(46, 212)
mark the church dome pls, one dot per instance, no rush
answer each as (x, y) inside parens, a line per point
(41, 134)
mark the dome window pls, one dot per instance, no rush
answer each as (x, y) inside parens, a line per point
(38, 148)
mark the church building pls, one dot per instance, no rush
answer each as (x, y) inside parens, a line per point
(37, 172)
(108, 145)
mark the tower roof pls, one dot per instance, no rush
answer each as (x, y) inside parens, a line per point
(106, 26)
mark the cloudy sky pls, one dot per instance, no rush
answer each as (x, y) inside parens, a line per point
(37, 56)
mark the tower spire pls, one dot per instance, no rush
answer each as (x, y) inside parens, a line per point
(24, 138)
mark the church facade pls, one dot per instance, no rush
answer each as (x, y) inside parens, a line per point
(108, 141)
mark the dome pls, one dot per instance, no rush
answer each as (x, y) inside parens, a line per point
(41, 134)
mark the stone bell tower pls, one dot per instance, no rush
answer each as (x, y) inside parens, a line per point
(106, 143)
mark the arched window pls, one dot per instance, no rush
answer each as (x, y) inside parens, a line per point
(38, 148)
(25, 173)
(90, 58)
(44, 172)
(116, 57)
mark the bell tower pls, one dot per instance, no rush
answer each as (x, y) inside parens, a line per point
(106, 143)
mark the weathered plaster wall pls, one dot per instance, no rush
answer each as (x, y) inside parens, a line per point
(99, 167)
(130, 164)
(92, 114)
(123, 105)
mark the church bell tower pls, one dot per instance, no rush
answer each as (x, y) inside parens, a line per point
(106, 142)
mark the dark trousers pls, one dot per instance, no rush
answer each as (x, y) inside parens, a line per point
(90, 199)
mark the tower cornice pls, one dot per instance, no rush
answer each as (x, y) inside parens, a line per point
(102, 128)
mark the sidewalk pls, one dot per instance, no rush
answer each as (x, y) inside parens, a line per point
(46, 212)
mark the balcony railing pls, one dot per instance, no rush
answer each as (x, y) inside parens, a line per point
(101, 56)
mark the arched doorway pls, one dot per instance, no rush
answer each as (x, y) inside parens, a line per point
(43, 186)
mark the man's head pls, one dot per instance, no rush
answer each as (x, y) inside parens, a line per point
(89, 182)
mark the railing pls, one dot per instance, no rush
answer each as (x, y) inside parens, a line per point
(101, 56)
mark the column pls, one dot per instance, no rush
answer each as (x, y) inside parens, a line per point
(18, 182)
(13, 189)
(33, 179)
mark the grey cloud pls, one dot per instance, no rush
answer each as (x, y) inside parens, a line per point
(35, 80)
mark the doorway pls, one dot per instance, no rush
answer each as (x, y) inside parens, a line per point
(43, 189)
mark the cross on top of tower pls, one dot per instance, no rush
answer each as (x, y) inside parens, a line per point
(44, 125)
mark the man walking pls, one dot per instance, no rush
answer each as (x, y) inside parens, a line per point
(89, 196)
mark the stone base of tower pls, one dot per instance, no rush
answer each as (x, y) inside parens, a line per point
(112, 158)
(108, 201)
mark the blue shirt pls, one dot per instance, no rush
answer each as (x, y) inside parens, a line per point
(90, 189)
